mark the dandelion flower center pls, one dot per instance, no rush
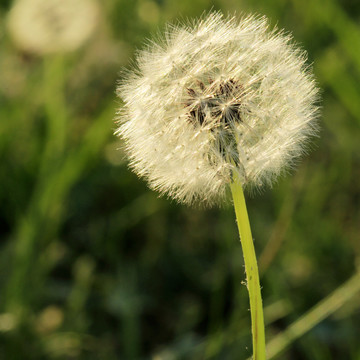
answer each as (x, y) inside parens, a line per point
(220, 106)
(217, 106)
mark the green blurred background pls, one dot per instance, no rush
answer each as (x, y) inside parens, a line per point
(93, 265)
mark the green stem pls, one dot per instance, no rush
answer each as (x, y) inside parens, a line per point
(251, 268)
(43, 209)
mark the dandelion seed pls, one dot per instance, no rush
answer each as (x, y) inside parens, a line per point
(49, 26)
(217, 97)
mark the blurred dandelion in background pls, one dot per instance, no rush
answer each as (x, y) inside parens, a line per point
(52, 26)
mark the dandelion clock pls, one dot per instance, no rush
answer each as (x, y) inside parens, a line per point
(52, 26)
(218, 104)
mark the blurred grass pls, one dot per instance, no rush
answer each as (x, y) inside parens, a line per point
(94, 266)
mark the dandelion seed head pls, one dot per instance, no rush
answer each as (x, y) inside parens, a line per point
(52, 26)
(212, 98)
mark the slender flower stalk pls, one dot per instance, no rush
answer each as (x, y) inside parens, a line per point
(214, 104)
(251, 269)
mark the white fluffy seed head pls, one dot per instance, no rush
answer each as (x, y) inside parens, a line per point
(52, 26)
(212, 98)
